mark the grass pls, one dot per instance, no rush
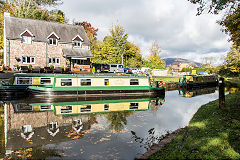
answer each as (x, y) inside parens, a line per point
(212, 133)
(167, 79)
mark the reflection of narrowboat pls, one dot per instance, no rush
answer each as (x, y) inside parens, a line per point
(195, 92)
(17, 85)
(191, 81)
(78, 85)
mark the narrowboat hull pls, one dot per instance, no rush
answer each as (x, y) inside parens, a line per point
(50, 92)
(197, 85)
(12, 92)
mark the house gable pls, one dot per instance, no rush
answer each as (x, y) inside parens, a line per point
(26, 33)
(53, 35)
(77, 38)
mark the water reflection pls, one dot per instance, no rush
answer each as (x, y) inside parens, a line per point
(196, 91)
(30, 124)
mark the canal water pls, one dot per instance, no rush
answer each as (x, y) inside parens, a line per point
(95, 128)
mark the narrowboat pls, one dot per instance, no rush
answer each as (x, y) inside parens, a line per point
(192, 81)
(17, 85)
(96, 85)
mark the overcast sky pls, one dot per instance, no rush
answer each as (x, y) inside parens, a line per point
(172, 23)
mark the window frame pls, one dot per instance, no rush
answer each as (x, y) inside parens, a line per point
(134, 82)
(65, 79)
(26, 39)
(87, 81)
(51, 41)
(51, 59)
(41, 78)
(30, 78)
(31, 58)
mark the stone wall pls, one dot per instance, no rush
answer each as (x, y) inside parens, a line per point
(40, 50)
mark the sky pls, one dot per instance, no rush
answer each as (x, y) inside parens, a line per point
(172, 23)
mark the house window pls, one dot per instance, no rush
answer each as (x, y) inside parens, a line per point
(28, 60)
(66, 82)
(53, 60)
(77, 43)
(45, 80)
(133, 105)
(85, 108)
(85, 82)
(24, 81)
(26, 39)
(134, 82)
(53, 41)
(106, 82)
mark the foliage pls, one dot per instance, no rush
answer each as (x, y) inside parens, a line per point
(231, 66)
(115, 47)
(215, 6)
(154, 61)
(212, 133)
(209, 70)
(91, 31)
(231, 26)
(231, 19)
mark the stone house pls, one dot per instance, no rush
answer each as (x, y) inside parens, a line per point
(42, 44)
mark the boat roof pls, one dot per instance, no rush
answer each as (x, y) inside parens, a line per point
(78, 75)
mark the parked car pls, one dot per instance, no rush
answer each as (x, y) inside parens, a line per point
(136, 71)
(116, 68)
(128, 71)
(101, 67)
(145, 69)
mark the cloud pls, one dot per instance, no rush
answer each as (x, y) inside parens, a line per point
(174, 24)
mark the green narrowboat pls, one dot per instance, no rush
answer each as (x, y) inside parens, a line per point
(196, 91)
(17, 85)
(97, 85)
(196, 81)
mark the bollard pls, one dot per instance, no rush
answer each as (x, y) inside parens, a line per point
(221, 93)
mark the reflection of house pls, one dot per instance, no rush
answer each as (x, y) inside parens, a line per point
(42, 43)
(40, 127)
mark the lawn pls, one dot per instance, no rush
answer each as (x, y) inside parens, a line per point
(166, 79)
(212, 133)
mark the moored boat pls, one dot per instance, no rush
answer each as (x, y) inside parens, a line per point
(97, 85)
(192, 81)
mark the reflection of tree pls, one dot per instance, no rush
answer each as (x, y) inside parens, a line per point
(117, 120)
(150, 140)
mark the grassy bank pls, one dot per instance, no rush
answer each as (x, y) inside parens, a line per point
(167, 79)
(212, 133)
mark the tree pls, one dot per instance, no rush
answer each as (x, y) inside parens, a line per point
(231, 20)
(154, 59)
(232, 61)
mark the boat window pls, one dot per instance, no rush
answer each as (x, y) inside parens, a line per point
(134, 82)
(24, 80)
(133, 105)
(85, 108)
(106, 82)
(85, 82)
(106, 107)
(113, 65)
(66, 109)
(47, 107)
(66, 82)
(45, 80)
(23, 107)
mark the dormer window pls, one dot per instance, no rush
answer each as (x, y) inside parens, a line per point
(26, 37)
(53, 39)
(77, 41)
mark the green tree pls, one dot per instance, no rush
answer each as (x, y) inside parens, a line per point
(231, 20)
(154, 59)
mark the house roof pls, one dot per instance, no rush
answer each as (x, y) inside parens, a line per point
(42, 29)
(77, 52)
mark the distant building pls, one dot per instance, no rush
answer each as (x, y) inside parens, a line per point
(42, 43)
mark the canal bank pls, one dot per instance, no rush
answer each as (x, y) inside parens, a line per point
(212, 133)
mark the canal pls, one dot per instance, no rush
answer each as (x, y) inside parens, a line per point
(96, 128)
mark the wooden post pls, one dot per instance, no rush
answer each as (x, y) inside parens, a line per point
(221, 93)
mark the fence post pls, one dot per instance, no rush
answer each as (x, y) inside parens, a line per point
(221, 93)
